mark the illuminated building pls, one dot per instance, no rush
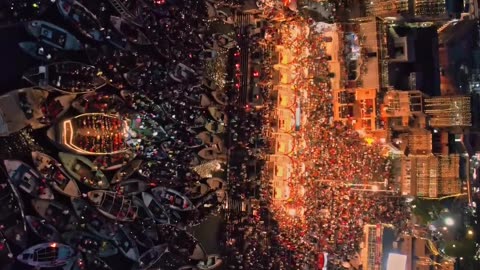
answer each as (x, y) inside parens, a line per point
(386, 8)
(449, 111)
(418, 252)
(94, 134)
(374, 246)
(449, 171)
(399, 107)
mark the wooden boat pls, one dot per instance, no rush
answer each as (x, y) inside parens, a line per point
(53, 170)
(6, 254)
(42, 229)
(171, 235)
(53, 35)
(113, 205)
(129, 30)
(159, 213)
(210, 153)
(98, 102)
(126, 245)
(25, 178)
(215, 127)
(131, 187)
(150, 257)
(83, 170)
(81, 18)
(47, 255)
(39, 51)
(199, 100)
(114, 38)
(67, 77)
(182, 73)
(197, 190)
(213, 261)
(141, 239)
(217, 114)
(96, 245)
(174, 199)
(12, 216)
(220, 97)
(55, 213)
(212, 140)
(216, 183)
(95, 222)
(85, 262)
(127, 170)
(55, 109)
(113, 162)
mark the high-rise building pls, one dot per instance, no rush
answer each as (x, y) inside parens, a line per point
(449, 111)
(386, 8)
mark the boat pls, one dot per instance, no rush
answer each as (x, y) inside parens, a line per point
(39, 51)
(46, 255)
(66, 77)
(114, 38)
(113, 205)
(211, 153)
(95, 222)
(126, 245)
(113, 162)
(182, 73)
(197, 190)
(98, 102)
(171, 235)
(56, 108)
(138, 235)
(174, 199)
(55, 213)
(92, 134)
(129, 30)
(89, 244)
(217, 114)
(215, 127)
(150, 257)
(86, 262)
(81, 18)
(12, 216)
(220, 97)
(216, 183)
(53, 170)
(131, 187)
(42, 229)
(83, 170)
(212, 140)
(25, 178)
(159, 213)
(6, 254)
(199, 100)
(213, 261)
(126, 171)
(53, 35)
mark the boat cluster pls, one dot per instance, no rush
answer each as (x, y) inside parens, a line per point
(131, 126)
(124, 216)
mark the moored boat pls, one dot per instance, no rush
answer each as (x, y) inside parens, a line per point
(212, 140)
(220, 97)
(53, 170)
(210, 153)
(55, 213)
(126, 171)
(6, 254)
(113, 205)
(81, 18)
(126, 245)
(215, 127)
(197, 190)
(200, 100)
(56, 108)
(42, 229)
(98, 102)
(216, 183)
(139, 236)
(53, 35)
(174, 199)
(113, 162)
(67, 77)
(83, 170)
(89, 244)
(39, 51)
(217, 114)
(213, 261)
(25, 178)
(150, 257)
(46, 255)
(171, 235)
(131, 187)
(129, 30)
(158, 211)
(95, 222)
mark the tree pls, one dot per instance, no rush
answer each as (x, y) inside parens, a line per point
(460, 248)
